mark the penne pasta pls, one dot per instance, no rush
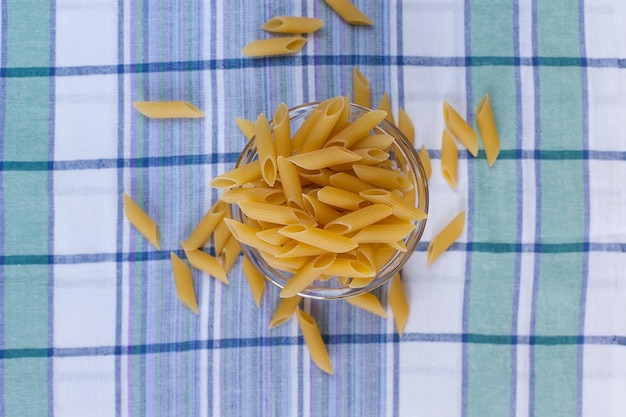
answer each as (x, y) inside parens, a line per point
(398, 303)
(287, 264)
(221, 234)
(290, 181)
(314, 341)
(296, 249)
(248, 236)
(368, 302)
(369, 156)
(201, 233)
(282, 130)
(346, 267)
(246, 126)
(487, 128)
(265, 149)
(399, 207)
(168, 109)
(341, 199)
(344, 118)
(406, 126)
(272, 236)
(445, 238)
(349, 12)
(324, 124)
(382, 177)
(260, 194)
(311, 271)
(361, 89)
(286, 308)
(425, 159)
(321, 212)
(324, 158)
(307, 125)
(449, 159)
(383, 233)
(385, 105)
(230, 253)
(323, 239)
(460, 129)
(292, 24)
(256, 281)
(356, 130)
(141, 221)
(283, 45)
(206, 263)
(239, 176)
(381, 141)
(184, 283)
(348, 182)
(319, 177)
(358, 219)
(275, 214)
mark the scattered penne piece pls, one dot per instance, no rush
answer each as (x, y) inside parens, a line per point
(141, 221)
(368, 302)
(239, 176)
(349, 12)
(283, 45)
(292, 24)
(314, 341)
(398, 303)
(361, 89)
(445, 238)
(488, 131)
(425, 159)
(406, 126)
(168, 109)
(184, 283)
(460, 129)
(385, 105)
(230, 253)
(206, 263)
(286, 308)
(449, 159)
(201, 233)
(256, 281)
(246, 126)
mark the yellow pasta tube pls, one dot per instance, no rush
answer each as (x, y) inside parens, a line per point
(358, 219)
(346, 267)
(320, 238)
(398, 303)
(221, 234)
(311, 271)
(307, 125)
(265, 149)
(383, 233)
(207, 225)
(460, 129)
(184, 283)
(248, 236)
(206, 263)
(406, 126)
(357, 129)
(256, 281)
(445, 238)
(141, 221)
(380, 141)
(286, 309)
(296, 249)
(246, 126)
(283, 45)
(361, 89)
(348, 182)
(342, 199)
(385, 105)
(230, 253)
(368, 302)
(292, 24)
(239, 176)
(274, 214)
(323, 158)
(314, 341)
(382, 177)
(321, 212)
(344, 118)
(291, 265)
(260, 194)
(425, 159)
(488, 131)
(400, 208)
(168, 109)
(320, 177)
(282, 130)
(449, 159)
(290, 180)
(272, 236)
(323, 125)
(349, 12)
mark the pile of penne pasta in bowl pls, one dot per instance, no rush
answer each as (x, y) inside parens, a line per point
(328, 200)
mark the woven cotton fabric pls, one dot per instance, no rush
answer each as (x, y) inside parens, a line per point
(525, 315)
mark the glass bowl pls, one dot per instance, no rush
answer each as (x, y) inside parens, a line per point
(403, 154)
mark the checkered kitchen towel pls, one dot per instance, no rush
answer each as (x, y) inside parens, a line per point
(524, 316)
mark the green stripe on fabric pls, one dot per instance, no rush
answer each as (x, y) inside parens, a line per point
(492, 282)
(562, 209)
(28, 34)
(26, 387)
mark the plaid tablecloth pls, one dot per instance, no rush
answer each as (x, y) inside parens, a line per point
(524, 316)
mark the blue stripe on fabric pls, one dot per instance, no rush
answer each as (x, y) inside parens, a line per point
(308, 60)
(470, 215)
(586, 209)
(520, 205)
(51, 210)
(3, 88)
(535, 285)
(161, 255)
(120, 209)
(336, 339)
